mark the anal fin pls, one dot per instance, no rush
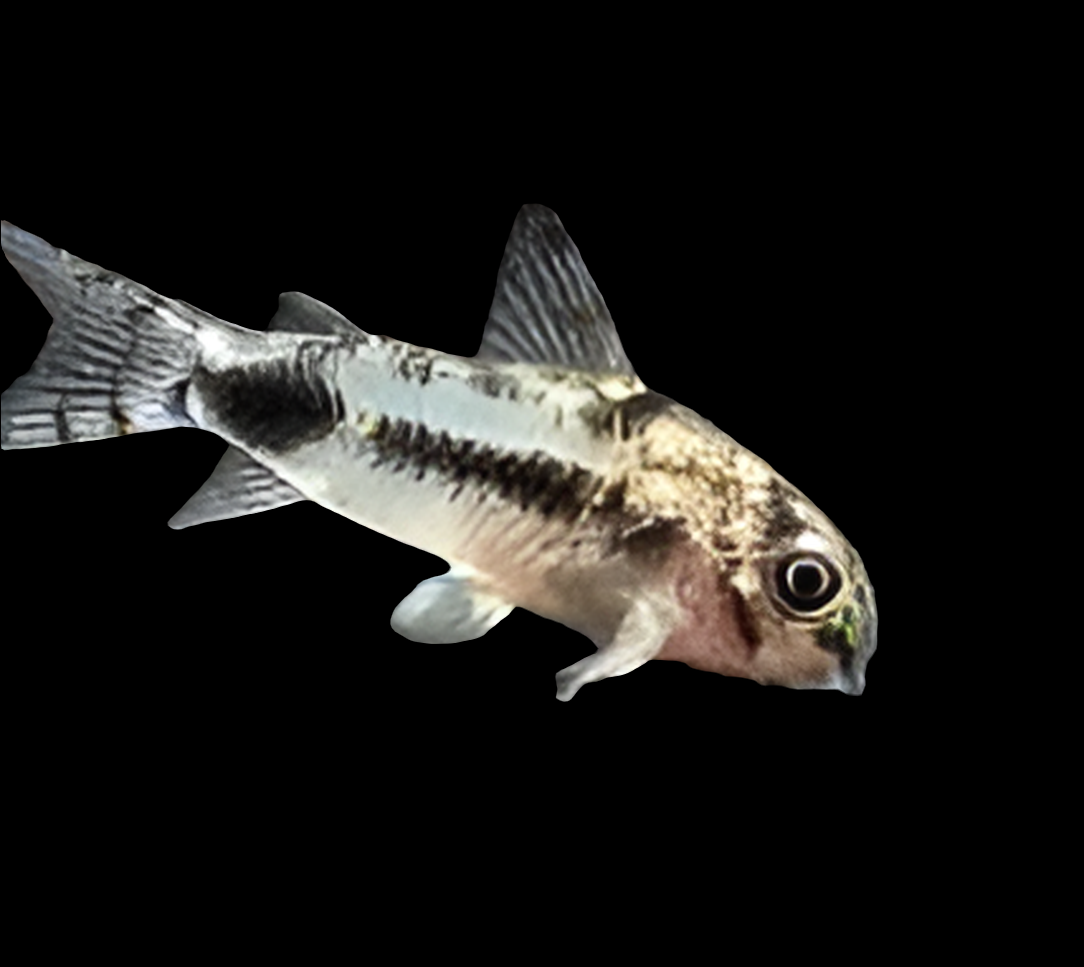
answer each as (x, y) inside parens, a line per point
(448, 608)
(238, 486)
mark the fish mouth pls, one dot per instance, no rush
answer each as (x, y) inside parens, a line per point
(850, 636)
(851, 681)
(852, 674)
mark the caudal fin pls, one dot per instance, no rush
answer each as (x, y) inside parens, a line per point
(117, 359)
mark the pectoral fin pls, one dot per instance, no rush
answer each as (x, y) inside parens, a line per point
(448, 608)
(639, 638)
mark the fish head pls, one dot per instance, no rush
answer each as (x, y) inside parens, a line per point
(812, 608)
(793, 606)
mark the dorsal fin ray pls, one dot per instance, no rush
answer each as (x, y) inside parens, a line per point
(298, 312)
(546, 307)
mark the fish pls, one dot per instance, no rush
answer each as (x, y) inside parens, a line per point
(542, 470)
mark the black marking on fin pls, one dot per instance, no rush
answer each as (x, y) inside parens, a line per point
(63, 432)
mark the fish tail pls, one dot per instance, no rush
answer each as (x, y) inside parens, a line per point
(117, 358)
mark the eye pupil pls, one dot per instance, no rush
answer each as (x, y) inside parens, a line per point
(806, 579)
(807, 582)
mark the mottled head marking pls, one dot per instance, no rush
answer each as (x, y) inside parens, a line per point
(781, 521)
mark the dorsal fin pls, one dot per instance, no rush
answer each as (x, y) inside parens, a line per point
(298, 312)
(238, 486)
(546, 308)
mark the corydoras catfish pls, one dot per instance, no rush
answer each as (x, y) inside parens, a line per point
(543, 470)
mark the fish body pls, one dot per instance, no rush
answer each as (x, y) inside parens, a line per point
(542, 470)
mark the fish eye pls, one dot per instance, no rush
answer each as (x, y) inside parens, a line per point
(807, 582)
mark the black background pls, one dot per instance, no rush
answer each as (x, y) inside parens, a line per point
(818, 239)
(768, 289)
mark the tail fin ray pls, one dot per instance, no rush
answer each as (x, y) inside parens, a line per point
(117, 358)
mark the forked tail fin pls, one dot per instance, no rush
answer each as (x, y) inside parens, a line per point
(117, 359)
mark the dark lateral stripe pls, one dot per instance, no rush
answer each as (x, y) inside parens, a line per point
(534, 480)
